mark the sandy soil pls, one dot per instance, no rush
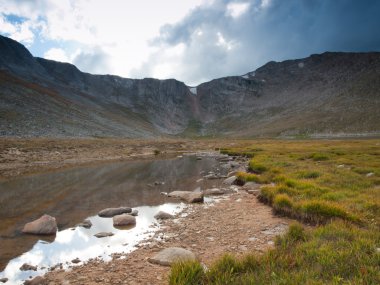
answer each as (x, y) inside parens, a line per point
(236, 223)
(27, 156)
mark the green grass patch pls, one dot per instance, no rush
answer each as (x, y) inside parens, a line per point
(319, 156)
(256, 167)
(311, 186)
(243, 177)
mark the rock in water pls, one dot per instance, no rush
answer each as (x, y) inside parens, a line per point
(134, 213)
(110, 212)
(124, 220)
(172, 254)
(3, 280)
(27, 267)
(189, 197)
(39, 280)
(86, 224)
(103, 234)
(46, 225)
(161, 215)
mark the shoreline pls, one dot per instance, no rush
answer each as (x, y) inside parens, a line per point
(209, 231)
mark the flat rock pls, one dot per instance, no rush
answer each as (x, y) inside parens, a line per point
(172, 254)
(27, 267)
(187, 196)
(85, 224)
(124, 220)
(161, 215)
(103, 234)
(230, 180)
(251, 186)
(110, 212)
(46, 225)
(213, 192)
(39, 280)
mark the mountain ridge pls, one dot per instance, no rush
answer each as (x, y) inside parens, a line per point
(298, 97)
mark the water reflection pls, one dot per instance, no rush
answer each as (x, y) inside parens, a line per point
(73, 195)
(81, 243)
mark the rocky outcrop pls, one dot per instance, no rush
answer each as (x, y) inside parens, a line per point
(110, 212)
(170, 255)
(187, 196)
(46, 225)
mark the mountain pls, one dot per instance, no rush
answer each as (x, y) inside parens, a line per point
(326, 94)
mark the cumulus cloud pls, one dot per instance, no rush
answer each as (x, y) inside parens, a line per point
(230, 37)
(193, 40)
(121, 28)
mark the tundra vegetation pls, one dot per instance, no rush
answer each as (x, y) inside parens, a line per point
(332, 188)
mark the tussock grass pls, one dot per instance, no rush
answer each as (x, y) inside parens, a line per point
(325, 183)
(256, 167)
(243, 177)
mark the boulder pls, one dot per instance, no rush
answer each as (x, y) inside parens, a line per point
(27, 267)
(86, 224)
(103, 234)
(187, 196)
(46, 225)
(110, 212)
(230, 180)
(170, 255)
(124, 220)
(213, 192)
(39, 280)
(161, 215)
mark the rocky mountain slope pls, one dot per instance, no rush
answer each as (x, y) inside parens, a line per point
(328, 94)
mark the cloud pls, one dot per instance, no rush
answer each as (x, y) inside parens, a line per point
(194, 40)
(95, 60)
(22, 31)
(230, 37)
(121, 28)
(235, 10)
(56, 54)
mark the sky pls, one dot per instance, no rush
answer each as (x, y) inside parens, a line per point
(191, 40)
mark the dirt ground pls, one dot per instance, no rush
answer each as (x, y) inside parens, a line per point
(27, 156)
(236, 223)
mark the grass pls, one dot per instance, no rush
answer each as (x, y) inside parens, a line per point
(324, 183)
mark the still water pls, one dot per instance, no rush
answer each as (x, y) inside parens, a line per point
(77, 194)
